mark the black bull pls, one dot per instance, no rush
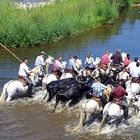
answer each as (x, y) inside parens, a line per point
(68, 87)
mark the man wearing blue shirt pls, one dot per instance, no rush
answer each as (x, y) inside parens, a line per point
(40, 59)
(72, 65)
(97, 90)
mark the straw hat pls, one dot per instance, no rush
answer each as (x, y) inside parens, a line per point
(42, 52)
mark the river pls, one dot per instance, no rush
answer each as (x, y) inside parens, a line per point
(30, 120)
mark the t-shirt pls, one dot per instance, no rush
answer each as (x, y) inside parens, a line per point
(105, 59)
(118, 93)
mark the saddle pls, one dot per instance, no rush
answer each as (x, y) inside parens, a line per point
(98, 100)
(22, 80)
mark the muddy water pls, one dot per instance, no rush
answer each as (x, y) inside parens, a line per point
(32, 120)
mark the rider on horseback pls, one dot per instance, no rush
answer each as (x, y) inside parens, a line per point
(105, 58)
(118, 96)
(58, 65)
(24, 73)
(97, 89)
(90, 62)
(40, 60)
(72, 65)
(117, 58)
(135, 73)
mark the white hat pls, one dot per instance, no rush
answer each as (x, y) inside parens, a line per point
(42, 52)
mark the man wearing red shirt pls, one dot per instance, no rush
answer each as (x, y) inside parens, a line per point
(105, 58)
(118, 95)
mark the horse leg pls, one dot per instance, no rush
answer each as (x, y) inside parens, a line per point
(66, 105)
(9, 98)
(3, 95)
(87, 118)
(4, 92)
(102, 122)
(136, 109)
(81, 122)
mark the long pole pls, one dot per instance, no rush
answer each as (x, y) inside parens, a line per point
(11, 52)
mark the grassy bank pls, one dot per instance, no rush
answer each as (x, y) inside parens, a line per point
(37, 26)
(135, 1)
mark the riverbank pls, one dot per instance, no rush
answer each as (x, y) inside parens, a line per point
(50, 23)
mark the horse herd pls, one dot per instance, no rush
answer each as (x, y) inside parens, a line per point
(69, 90)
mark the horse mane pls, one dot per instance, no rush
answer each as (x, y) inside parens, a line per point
(35, 69)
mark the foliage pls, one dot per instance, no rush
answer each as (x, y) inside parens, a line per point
(40, 25)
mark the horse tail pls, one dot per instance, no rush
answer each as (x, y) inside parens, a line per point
(105, 115)
(81, 122)
(4, 92)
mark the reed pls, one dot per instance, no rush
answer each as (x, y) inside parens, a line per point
(41, 25)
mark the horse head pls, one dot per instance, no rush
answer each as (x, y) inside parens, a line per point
(64, 64)
(97, 62)
(96, 73)
(82, 72)
(48, 62)
(37, 74)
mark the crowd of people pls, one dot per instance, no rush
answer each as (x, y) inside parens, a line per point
(116, 59)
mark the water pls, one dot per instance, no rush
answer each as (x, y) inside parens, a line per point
(32, 120)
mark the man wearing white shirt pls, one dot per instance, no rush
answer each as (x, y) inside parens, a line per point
(24, 72)
(135, 72)
(40, 59)
(72, 65)
(131, 67)
(90, 62)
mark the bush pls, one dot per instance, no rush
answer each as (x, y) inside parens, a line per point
(36, 26)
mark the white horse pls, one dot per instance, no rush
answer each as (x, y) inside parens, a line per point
(97, 62)
(48, 79)
(112, 114)
(99, 71)
(78, 63)
(52, 77)
(123, 75)
(83, 72)
(48, 62)
(91, 107)
(66, 75)
(133, 90)
(15, 88)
